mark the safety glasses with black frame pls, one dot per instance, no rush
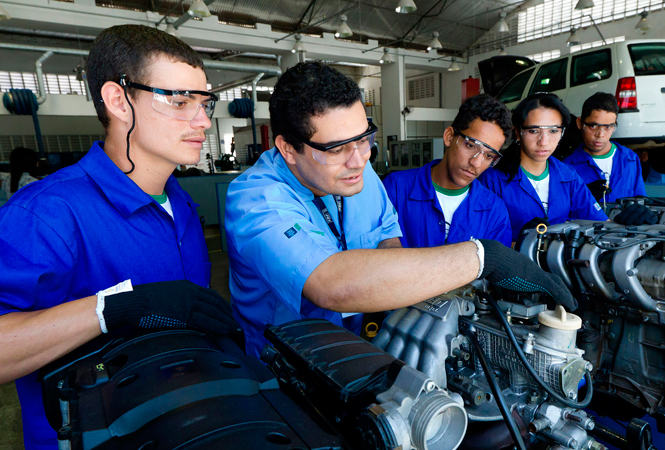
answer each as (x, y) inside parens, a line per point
(339, 152)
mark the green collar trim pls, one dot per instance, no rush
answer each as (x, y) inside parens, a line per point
(540, 177)
(161, 198)
(608, 154)
(450, 192)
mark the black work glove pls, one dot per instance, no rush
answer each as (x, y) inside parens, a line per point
(636, 214)
(599, 188)
(514, 271)
(167, 305)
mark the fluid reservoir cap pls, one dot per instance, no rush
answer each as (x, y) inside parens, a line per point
(559, 319)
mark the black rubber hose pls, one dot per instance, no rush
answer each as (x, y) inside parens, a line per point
(496, 390)
(511, 336)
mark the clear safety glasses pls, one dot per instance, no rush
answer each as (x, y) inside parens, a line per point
(604, 127)
(339, 152)
(539, 131)
(181, 105)
(475, 148)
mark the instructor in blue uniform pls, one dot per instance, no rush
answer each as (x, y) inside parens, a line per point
(610, 170)
(441, 202)
(533, 185)
(312, 234)
(111, 244)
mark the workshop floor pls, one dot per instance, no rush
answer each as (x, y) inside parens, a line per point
(10, 411)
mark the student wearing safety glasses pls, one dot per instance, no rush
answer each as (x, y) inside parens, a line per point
(441, 202)
(535, 186)
(312, 233)
(111, 244)
(610, 170)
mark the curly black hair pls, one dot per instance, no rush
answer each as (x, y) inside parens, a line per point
(602, 101)
(486, 108)
(305, 90)
(129, 49)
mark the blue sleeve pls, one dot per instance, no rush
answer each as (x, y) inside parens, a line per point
(502, 229)
(639, 188)
(275, 237)
(583, 204)
(391, 191)
(389, 219)
(37, 264)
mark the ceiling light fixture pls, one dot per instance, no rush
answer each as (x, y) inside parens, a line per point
(199, 9)
(502, 50)
(435, 43)
(343, 30)
(584, 4)
(387, 58)
(298, 46)
(406, 7)
(454, 67)
(503, 25)
(572, 39)
(4, 15)
(643, 23)
(170, 29)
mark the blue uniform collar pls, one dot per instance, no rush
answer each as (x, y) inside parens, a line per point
(121, 191)
(423, 190)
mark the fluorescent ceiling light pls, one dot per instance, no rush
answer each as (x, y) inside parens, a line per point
(199, 9)
(343, 31)
(406, 7)
(503, 25)
(584, 4)
(434, 44)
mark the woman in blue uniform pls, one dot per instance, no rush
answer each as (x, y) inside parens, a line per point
(532, 184)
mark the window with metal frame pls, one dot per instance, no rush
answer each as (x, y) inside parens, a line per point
(550, 77)
(590, 67)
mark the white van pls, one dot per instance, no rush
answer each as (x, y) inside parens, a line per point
(633, 70)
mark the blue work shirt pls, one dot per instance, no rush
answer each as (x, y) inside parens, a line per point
(625, 179)
(276, 238)
(481, 214)
(568, 198)
(83, 229)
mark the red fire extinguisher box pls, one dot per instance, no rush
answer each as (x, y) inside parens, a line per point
(470, 87)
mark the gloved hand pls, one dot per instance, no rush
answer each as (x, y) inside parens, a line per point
(511, 270)
(598, 188)
(636, 214)
(168, 304)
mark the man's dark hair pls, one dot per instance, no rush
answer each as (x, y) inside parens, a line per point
(128, 49)
(486, 108)
(602, 101)
(305, 90)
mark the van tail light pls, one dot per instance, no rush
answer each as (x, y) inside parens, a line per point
(626, 94)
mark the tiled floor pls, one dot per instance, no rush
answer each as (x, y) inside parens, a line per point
(10, 413)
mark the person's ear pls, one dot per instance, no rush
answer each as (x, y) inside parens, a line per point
(448, 136)
(287, 151)
(115, 102)
(579, 123)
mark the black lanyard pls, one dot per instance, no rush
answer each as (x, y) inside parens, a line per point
(323, 209)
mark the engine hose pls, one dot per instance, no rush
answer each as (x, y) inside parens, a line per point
(511, 336)
(496, 390)
(23, 102)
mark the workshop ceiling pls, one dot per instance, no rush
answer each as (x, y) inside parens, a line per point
(459, 23)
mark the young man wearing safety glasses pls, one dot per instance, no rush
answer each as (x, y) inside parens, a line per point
(441, 202)
(610, 170)
(312, 233)
(111, 244)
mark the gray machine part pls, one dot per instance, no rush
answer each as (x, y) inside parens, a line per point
(421, 415)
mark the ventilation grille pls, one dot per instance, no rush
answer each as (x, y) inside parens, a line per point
(420, 88)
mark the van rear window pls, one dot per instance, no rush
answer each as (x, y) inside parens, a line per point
(648, 58)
